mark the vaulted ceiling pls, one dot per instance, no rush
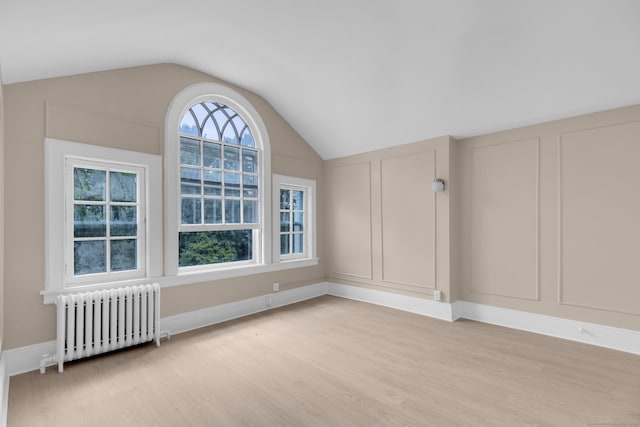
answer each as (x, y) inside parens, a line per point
(355, 75)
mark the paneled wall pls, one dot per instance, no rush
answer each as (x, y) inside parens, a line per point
(385, 227)
(549, 218)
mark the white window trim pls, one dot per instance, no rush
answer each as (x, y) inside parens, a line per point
(56, 151)
(193, 94)
(309, 186)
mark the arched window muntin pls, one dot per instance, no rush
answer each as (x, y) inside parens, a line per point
(219, 172)
(235, 118)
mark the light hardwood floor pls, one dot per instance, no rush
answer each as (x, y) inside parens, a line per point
(336, 362)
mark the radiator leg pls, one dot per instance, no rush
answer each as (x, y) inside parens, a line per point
(45, 359)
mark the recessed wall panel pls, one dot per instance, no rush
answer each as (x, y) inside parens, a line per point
(504, 219)
(599, 210)
(408, 219)
(349, 218)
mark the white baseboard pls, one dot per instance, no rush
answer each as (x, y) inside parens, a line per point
(626, 340)
(184, 322)
(589, 333)
(25, 359)
(426, 307)
(4, 390)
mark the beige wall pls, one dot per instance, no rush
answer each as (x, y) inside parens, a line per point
(540, 219)
(549, 218)
(123, 109)
(385, 227)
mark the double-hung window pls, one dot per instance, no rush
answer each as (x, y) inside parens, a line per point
(221, 220)
(219, 196)
(105, 213)
(103, 225)
(294, 210)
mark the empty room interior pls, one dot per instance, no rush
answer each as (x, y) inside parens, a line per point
(337, 213)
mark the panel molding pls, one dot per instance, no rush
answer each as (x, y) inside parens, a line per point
(430, 286)
(560, 155)
(128, 131)
(370, 218)
(469, 247)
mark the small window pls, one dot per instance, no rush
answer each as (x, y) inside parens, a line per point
(105, 221)
(296, 217)
(292, 218)
(103, 226)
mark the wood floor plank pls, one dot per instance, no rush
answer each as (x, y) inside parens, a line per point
(336, 362)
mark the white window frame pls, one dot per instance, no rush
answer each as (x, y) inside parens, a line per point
(191, 95)
(309, 230)
(56, 154)
(70, 278)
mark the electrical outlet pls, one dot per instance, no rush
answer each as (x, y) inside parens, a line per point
(437, 295)
(276, 287)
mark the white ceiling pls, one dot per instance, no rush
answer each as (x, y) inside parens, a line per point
(355, 75)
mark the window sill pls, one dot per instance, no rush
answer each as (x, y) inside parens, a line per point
(188, 278)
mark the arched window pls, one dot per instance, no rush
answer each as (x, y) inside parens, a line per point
(217, 181)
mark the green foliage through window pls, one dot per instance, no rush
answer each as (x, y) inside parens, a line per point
(214, 247)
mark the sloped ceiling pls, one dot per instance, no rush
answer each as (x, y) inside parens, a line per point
(355, 75)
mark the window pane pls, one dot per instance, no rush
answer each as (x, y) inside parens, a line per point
(231, 158)
(249, 161)
(123, 187)
(89, 184)
(124, 255)
(209, 130)
(213, 247)
(212, 184)
(247, 139)
(124, 221)
(188, 125)
(284, 244)
(284, 199)
(298, 200)
(250, 211)
(239, 124)
(229, 134)
(232, 211)
(220, 118)
(298, 246)
(212, 155)
(250, 186)
(191, 211)
(285, 221)
(89, 257)
(212, 211)
(200, 112)
(189, 151)
(231, 184)
(89, 221)
(298, 221)
(190, 181)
